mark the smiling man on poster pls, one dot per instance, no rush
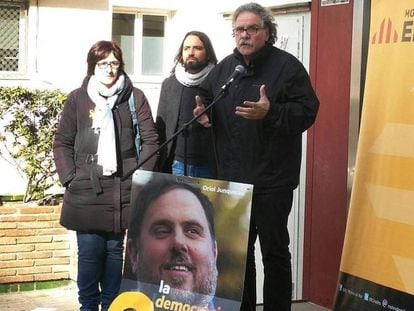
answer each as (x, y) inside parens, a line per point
(172, 243)
(186, 244)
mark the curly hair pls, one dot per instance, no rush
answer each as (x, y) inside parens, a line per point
(265, 15)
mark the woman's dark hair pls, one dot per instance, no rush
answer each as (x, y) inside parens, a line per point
(265, 15)
(100, 50)
(152, 191)
(210, 54)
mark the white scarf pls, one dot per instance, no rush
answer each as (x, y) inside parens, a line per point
(103, 121)
(191, 79)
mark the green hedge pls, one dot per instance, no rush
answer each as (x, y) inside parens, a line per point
(29, 119)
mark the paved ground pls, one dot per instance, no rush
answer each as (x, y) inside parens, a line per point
(65, 299)
(58, 299)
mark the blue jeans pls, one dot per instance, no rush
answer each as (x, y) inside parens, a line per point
(192, 170)
(99, 268)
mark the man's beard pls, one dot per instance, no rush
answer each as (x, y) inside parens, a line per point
(195, 66)
(201, 294)
(191, 298)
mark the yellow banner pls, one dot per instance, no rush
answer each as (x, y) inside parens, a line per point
(379, 240)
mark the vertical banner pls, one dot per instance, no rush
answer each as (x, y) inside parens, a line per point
(186, 244)
(377, 267)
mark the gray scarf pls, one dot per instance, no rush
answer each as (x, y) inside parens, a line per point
(191, 79)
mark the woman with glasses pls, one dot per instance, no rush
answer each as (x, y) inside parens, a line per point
(94, 146)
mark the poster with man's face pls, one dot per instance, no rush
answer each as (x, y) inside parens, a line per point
(186, 244)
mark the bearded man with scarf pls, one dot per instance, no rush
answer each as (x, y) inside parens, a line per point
(94, 146)
(194, 60)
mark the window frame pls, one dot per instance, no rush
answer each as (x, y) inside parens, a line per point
(138, 42)
(23, 37)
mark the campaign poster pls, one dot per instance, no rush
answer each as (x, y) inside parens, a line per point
(377, 266)
(186, 244)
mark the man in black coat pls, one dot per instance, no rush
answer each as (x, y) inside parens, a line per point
(258, 128)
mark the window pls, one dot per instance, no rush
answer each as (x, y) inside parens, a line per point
(12, 36)
(141, 37)
(152, 44)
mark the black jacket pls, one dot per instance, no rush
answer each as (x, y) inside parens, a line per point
(93, 201)
(167, 124)
(265, 153)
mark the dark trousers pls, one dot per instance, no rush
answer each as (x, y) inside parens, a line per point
(269, 218)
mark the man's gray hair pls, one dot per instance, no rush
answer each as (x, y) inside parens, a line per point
(265, 15)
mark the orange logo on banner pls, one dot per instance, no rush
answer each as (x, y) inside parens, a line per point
(386, 33)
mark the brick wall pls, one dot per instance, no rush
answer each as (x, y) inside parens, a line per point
(33, 246)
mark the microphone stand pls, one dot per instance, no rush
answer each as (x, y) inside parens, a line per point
(184, 129)
(186, 133)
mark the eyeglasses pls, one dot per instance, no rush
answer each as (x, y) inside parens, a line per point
(251, 30)
(114, 64)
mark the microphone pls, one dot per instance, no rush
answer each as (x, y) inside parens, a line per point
(239, 70)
